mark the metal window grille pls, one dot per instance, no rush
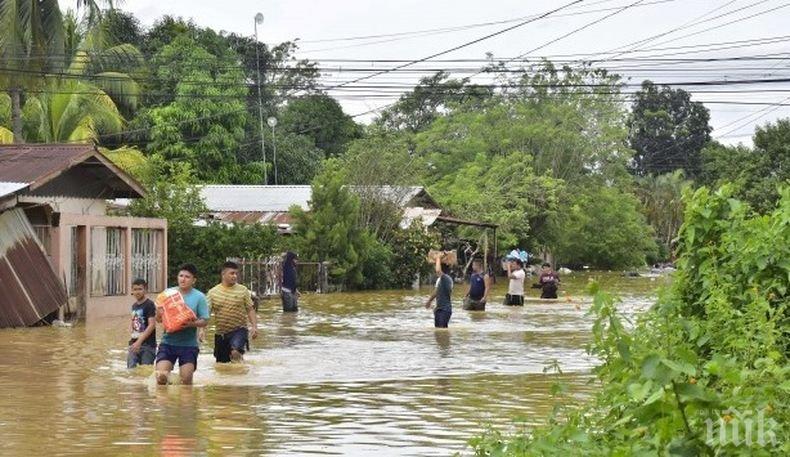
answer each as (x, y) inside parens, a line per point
(147, 257)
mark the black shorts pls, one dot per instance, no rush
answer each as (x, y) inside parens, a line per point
(441, 318)
(471, 304)
(549, 291)
(235, 339)
(514, 300)
(290, 302)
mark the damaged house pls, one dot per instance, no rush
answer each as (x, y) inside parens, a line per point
(59, 250)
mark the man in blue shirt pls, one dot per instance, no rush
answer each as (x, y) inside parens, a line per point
(479, 285)
(183, 346)
(442, 294)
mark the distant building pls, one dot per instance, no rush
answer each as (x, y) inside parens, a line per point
(84, 259)
(271, 204)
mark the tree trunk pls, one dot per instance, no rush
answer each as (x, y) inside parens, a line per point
(16, 114)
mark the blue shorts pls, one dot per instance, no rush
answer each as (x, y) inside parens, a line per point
(441, 318)
(184, 354)
(144, 357)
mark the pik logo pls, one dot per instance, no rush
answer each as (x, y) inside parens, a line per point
(742, 429)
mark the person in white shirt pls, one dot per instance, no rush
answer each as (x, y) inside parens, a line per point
(515, 290)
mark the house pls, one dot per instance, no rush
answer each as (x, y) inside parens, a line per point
(271, 204)
(53, 211)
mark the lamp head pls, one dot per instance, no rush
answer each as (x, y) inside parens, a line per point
(272, 121)
(259, 18)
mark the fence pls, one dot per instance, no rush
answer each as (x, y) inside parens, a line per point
(263, 275)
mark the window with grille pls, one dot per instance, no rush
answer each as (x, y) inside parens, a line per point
(147, 248)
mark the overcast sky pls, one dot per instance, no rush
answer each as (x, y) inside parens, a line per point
(315, 22)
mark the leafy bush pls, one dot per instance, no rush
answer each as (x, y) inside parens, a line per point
(604, 228)
(702, 370)
(409, 247)
(208, 247)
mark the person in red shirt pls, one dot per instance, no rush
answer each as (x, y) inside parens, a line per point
(548, 282)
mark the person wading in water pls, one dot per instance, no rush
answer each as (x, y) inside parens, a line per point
(231, 307)
(479, 287)
(288, 291)
(515, 290)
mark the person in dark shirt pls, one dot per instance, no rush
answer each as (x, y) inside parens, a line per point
(548, 282)
(479, 286)
(442, 294)
(288, 291)
(142, 345)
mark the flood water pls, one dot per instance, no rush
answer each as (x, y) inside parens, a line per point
(352, 374)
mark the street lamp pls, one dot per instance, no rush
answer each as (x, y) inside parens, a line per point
(272, 121)
(259, 20)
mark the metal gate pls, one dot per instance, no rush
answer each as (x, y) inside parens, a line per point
(264, 275)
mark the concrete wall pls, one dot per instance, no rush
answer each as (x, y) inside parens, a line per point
(82, 206)
(93, 307)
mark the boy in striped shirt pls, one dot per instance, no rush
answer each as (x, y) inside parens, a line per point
(231, 305)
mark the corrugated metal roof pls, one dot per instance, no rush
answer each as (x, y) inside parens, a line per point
(79, 167)
(224, 198)
(30, 162)
(228, 198)
(8, 188)
(29, 287)
(251, 217)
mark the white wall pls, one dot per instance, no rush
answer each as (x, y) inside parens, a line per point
(86, 206)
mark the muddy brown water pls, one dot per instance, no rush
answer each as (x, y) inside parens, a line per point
(352, 374)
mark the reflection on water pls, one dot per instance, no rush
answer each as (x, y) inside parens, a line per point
(351, 374)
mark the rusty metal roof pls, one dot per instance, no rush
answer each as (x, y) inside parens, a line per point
(251, 217)
(39, 164)
(29, 287)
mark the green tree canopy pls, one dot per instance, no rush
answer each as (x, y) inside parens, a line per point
(204, 124)
(756, 173)
(321, 118)
(667, 131)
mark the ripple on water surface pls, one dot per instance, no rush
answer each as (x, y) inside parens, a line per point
(352, 374)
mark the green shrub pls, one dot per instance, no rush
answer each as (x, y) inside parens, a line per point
(208, 247)
(710, 357)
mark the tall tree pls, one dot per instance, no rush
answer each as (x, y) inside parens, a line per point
(756, 173)
(433, 96)
(667, 131)
(203, 124)
(321, 118)
(329, 231)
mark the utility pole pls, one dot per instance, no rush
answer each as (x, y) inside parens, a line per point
(259, 20)
(272, 121)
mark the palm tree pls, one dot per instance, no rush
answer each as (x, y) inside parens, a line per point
(70, 111)
(662, 201)
(38, 48)
(93, 54)
(31, 34)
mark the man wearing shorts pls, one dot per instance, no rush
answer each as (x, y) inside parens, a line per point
(231, 307)
(442, 294)
(479, 285)
(182, 346)
(515, 289)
